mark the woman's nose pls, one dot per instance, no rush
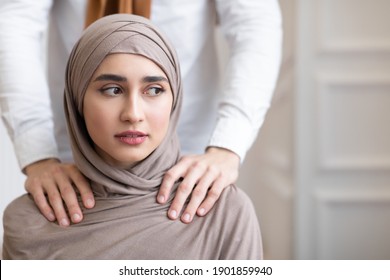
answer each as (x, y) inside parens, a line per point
(132, 109)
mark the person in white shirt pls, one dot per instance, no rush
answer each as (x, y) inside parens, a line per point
(215, 131)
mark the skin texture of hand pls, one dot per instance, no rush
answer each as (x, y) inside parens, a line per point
(50, 183)
(204, 178)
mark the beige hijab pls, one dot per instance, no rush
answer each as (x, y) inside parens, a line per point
(120, 34)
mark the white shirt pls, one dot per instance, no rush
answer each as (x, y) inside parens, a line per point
(225, 114)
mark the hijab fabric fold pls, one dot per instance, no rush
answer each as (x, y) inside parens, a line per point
(121, 33)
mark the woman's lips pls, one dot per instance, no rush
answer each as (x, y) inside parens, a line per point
(132, 137)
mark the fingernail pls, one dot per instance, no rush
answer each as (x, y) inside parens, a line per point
(161, 199)
(64, 222)
(187, 217)
(201, 211)
(76, 217)
(89, 203)
(51, 217)
(173, 214)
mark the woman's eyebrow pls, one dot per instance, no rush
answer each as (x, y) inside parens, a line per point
(153, 79)
(118, 78)
(110, 77)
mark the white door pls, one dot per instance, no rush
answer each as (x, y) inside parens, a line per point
(342, 130)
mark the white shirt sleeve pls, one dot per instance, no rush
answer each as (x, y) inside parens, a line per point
(254, 34)
(24, 95)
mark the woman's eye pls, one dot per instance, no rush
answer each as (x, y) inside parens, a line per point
(154, 91)
(111, 91)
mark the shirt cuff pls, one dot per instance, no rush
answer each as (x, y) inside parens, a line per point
(233, 135)
(35, 145)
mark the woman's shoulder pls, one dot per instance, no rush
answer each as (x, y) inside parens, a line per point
(235, 204)
(19, 203)
(238, 225)
(22, 211)
(236, 198)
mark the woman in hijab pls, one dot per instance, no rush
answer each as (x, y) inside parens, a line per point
(122, 102)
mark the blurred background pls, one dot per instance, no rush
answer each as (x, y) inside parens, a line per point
(319, 172)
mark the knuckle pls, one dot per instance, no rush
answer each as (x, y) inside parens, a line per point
(55, 170)
(39, 199)
(45, 209)
(184, 188)
(70, 167)
(197, 192)
(82, 184)
(198, 165)
(84, 189)
(53, 196)
(47, 175)
(74, 171)
(72, 207)
(79, 177)
(169, 175)
(66, 189)
(213, 194)
(214, 171)
(36, 181)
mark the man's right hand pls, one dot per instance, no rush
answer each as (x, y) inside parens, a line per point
(52, 185)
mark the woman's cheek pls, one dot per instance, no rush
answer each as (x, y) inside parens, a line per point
(160, 115)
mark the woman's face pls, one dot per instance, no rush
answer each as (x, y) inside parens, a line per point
(127, 108)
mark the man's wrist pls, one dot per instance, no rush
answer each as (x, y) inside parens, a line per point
(30, 168)
(215, 149)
